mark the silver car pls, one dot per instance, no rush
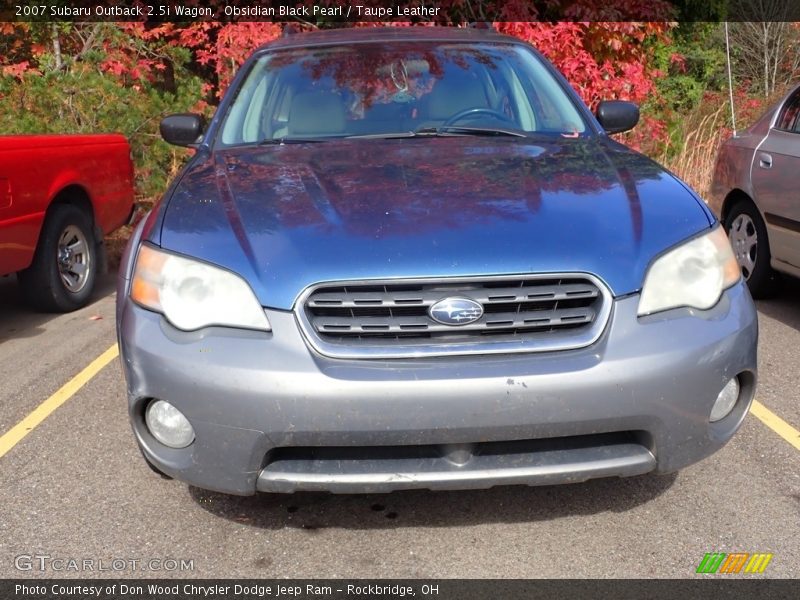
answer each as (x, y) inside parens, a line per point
(756, 196)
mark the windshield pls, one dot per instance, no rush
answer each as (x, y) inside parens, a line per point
(384, 89)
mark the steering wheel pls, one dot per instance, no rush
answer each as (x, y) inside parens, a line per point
(469, 112)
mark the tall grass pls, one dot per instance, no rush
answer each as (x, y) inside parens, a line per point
(703, 132)
(705, 128)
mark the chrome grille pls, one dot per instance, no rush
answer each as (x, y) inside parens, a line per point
(390, 319)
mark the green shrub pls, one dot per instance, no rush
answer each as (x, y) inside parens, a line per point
(85, 99)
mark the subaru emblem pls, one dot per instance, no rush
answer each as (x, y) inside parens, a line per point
(456, 311)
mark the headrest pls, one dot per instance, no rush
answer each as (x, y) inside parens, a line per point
(316, 113)
(450, 96)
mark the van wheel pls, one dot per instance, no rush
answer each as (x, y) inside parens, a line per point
(748, 236)
(64, 268)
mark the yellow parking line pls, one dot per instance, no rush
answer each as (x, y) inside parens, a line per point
(774, 422)
(41, 412)
(46, 408)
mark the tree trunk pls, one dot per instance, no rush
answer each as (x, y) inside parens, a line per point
(56, 46)
(765, 47)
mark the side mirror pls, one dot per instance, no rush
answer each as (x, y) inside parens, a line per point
(617, 116)
(182, 129)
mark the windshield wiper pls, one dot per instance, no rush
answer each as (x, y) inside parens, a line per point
(382, 136)
(449, 130)
(466, 130)
(441, 130)
(295, 140)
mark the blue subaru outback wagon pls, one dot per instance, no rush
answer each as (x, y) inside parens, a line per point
(412, 258)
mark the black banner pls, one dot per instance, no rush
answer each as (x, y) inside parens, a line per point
(442, 12)
(706, 587)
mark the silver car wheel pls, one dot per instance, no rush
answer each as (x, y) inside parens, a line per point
(74, 259)
(744, 240)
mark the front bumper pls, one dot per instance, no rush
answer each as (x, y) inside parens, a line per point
(271, 415)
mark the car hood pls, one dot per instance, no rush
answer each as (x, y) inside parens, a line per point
(288, 216)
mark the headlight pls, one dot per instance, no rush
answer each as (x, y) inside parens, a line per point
(192, 294)
(694, 274)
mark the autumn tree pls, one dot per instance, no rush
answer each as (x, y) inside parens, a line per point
(766, 53)
(80, 77)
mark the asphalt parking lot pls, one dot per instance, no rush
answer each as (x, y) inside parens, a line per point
(74, 487)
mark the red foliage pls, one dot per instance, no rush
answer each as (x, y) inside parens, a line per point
(601, 60)
(15, 53)
(224, 46)
(607, 59)
(16, 70)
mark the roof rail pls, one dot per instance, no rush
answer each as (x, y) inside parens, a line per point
(289, 29)
(481, 25)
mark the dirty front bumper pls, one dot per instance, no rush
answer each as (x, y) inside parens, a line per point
(270, 414)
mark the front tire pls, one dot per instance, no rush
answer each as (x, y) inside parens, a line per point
(748, 236)
(62, 275)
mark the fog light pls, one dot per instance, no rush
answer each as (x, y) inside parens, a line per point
(725, 401)
(168, 425)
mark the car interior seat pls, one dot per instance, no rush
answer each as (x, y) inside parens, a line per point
(316, 113)
(451, 96)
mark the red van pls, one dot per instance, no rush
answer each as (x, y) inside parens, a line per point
(59, 196)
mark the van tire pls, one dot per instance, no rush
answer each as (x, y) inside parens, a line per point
(62, 275)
